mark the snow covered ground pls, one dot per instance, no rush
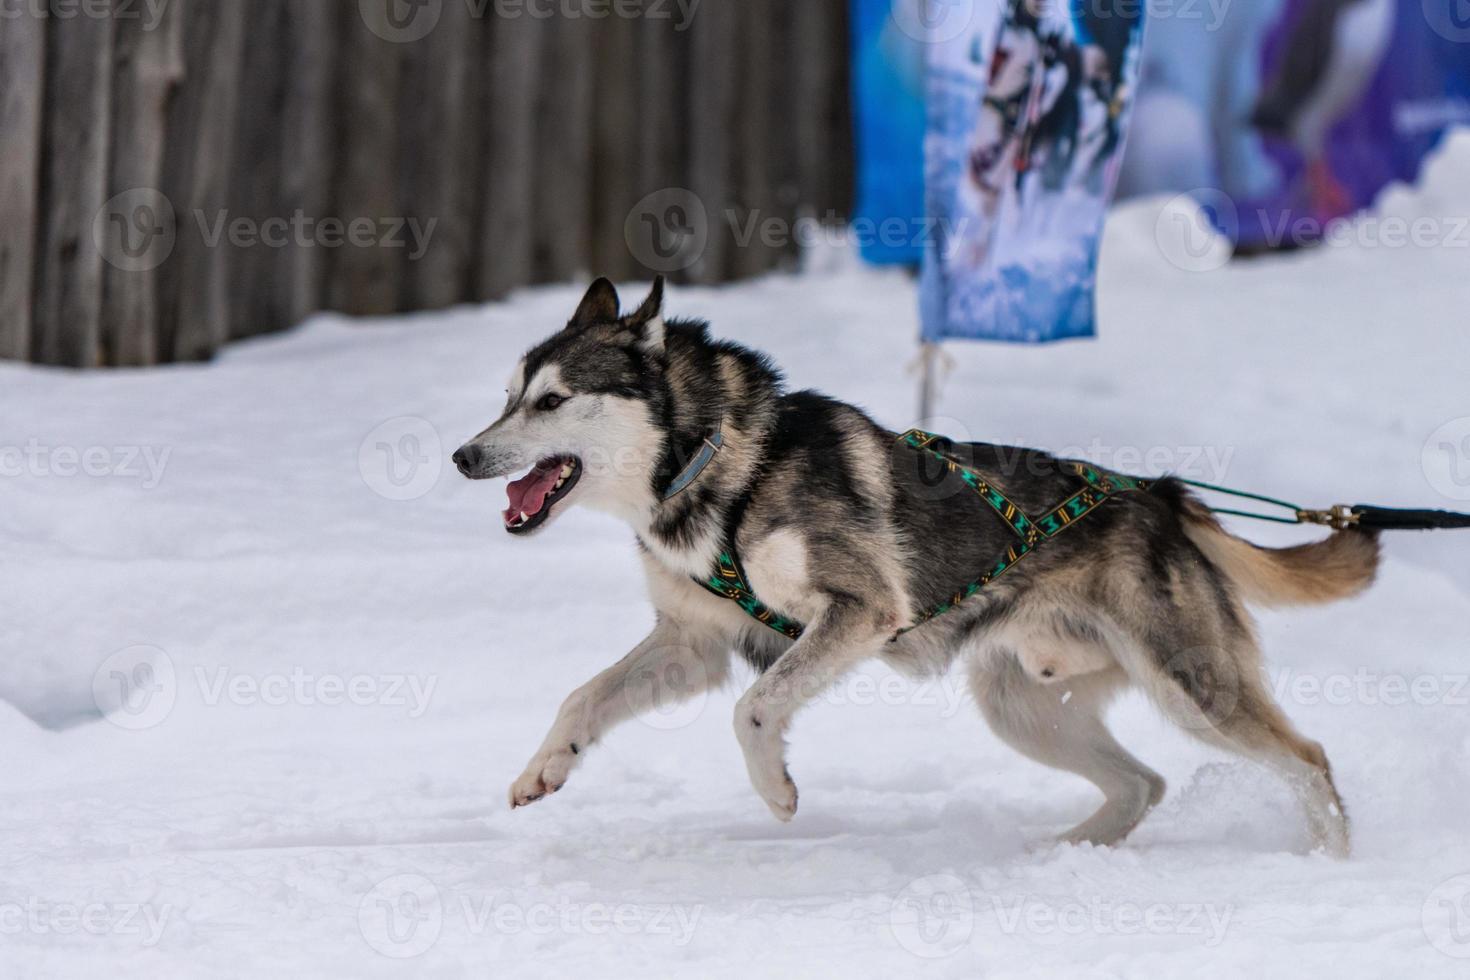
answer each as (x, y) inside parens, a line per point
(336, 661)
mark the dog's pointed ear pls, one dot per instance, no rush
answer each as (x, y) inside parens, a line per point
(600, 305)
(648, 320)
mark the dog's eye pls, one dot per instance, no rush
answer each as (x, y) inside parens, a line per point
(550, 403)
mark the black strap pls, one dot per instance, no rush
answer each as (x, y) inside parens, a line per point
(1394, 519)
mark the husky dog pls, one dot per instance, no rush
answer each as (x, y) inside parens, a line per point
(844, 527)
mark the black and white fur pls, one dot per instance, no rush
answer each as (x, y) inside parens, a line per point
(845, 530)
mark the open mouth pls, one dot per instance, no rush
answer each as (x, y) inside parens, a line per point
(534, 495)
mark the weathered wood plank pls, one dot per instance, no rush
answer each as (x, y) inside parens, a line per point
(563, 148)
(824, 124)
(68, 301)
(22, 87)
(782, 160)
(148, 59)
(367, 279)
(514, 66)
(711, 126)
(615, 150)
(255, 190)
(194, 297)
(309, 151)
(755, 204)
(439, 143)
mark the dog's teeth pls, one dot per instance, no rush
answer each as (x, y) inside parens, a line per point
(566, 471)
(523, 518)
(560, 483)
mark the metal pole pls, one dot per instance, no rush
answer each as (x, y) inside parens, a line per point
(928, 383)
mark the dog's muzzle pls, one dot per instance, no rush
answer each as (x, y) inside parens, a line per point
(468, 458)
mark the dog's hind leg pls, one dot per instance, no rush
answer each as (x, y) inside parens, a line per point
(1216, 691)
(669, 666)
(1060, 725)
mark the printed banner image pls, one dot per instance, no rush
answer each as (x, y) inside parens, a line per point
(1027, 113)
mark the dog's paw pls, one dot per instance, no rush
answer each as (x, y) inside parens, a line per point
(545, 775)
(780, 795)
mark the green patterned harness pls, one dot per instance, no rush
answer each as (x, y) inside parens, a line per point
(728, 580)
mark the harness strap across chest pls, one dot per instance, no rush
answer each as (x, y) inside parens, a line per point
(729, 581)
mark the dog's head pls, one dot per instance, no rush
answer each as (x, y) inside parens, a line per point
(579, 413)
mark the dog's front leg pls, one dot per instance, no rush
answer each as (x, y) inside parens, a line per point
(669, 665)
(847, 633)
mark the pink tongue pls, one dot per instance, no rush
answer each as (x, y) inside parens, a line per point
(529, 493)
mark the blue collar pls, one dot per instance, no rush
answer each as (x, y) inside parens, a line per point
(713, 443)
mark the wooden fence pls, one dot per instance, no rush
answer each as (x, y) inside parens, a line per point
(175, 174)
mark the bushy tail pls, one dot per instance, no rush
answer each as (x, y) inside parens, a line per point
(1338, 567)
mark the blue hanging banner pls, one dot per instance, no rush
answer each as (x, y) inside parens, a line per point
(888, 96)
(1028, 104)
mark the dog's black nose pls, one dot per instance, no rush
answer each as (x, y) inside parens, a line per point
(467, 458)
